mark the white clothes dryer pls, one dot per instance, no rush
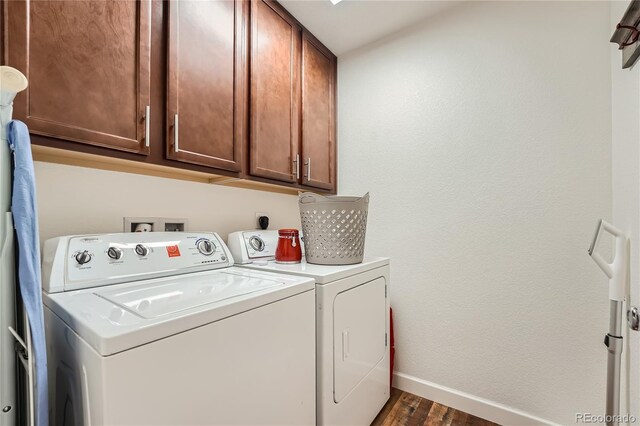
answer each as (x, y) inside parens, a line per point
(352, 327)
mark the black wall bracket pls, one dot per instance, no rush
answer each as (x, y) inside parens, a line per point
(626, 34)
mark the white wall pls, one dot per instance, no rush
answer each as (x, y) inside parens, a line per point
(484, 136)
(76, 200)
(625, 95)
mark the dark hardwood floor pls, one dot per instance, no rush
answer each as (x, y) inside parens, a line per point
(405, 409)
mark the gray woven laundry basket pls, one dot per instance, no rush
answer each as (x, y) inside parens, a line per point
(334, 228)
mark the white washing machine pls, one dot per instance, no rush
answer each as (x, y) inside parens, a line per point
(352, 328)
(160, 328)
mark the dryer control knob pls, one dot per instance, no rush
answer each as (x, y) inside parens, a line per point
(83, 257)
(206, 247)
(114, 253)
(257, 243)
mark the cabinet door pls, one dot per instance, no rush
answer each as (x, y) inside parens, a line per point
(275, 47)
(88, 68)
(207, 82)
(318, 115)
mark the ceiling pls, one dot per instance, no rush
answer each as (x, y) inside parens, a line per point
(354, 23)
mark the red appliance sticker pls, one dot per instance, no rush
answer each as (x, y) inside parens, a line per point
(173, 251)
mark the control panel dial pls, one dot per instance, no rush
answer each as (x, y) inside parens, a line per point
(206, 247)
(257, 243)
(114, 253)
(141, 250)
(83, 257)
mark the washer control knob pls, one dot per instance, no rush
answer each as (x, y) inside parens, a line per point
(257, 243)
(114, 253)
(83, 257)
(206, 247)
(141, 250)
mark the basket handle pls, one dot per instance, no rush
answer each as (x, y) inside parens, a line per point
(310, 197)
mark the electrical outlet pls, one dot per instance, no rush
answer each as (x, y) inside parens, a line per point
(258, 214)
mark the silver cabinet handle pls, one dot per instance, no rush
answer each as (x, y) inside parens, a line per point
(175, 133)
(308, 169)
(147, 125)
(297, 163)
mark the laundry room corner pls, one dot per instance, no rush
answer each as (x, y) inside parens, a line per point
(319, 212)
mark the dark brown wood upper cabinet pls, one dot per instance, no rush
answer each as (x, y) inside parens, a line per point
(207, 90)
(88, 68)
(275, 55)
(235, 88)
(318, 114)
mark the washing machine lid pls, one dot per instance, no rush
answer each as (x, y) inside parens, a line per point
(322, 274)
(153, 300)
(120, 317)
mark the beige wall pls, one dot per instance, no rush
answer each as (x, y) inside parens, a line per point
(76, 200)
(484, 136)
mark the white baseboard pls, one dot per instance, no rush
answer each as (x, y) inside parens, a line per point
(462, 401)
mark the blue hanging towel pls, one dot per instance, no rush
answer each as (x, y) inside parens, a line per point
(25, 219)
